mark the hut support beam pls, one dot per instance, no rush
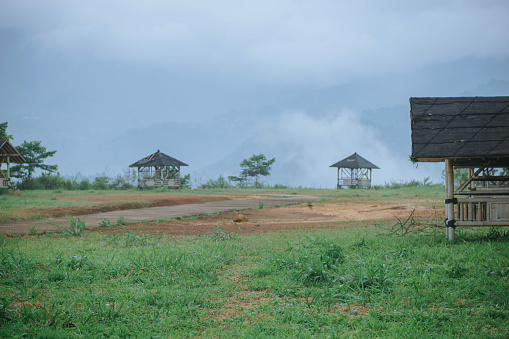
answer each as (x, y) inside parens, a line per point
(449, 200)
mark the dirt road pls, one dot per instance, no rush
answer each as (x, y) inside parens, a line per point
(154, 213)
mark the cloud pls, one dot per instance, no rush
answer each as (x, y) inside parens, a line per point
(284, 40)
(305, 147)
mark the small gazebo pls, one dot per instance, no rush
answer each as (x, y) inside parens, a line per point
(8, 155)
(158, 170)
(354, 171)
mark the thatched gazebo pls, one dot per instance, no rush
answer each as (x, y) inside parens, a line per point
(8, 155)
(158, 170)
(470, 133)
(354, 171)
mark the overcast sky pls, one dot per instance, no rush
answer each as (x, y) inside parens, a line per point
(121, 62)
(275, 43)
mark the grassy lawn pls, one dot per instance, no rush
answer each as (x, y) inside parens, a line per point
(354, 280)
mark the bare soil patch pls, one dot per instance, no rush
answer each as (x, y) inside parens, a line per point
(324, 214)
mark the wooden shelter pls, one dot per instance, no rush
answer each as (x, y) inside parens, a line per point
(354, 171)
(8, 155)
(158, 170)
(471, 133)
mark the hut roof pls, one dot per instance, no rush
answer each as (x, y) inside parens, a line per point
(158, 159)
(6, 149)
(468, 129)
(354, 161)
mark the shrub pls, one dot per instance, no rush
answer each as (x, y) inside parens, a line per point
(76, 226)
(105, 223)
(84, 184)
(46, 181)
(121, 221)
(101, 183)
(220, 182)
(185, 182)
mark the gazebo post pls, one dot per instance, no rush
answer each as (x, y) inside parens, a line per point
(449, 199)
(139, 177)
(8, 167)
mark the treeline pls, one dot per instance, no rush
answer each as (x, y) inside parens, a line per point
(223, 183)
(57, 181)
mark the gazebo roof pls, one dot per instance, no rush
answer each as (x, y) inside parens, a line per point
(355, 161)
(7, 150)
(466, 129)
(158, 159)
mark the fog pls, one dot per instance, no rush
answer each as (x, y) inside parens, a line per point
(211, 83)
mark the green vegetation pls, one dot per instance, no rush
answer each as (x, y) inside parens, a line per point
(254, 167)
(76, 227)
(220, 183)
(35, 154)
(351, 281)
(3, 131)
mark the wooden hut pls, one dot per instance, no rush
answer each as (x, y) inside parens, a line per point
(158, 170)
(8, 155)
(354, 171)
(471, 133)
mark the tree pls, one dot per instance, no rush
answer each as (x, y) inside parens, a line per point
(3, 132)
(35, 154)
(253, 168)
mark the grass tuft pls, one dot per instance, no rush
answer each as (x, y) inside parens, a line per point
(75, 228)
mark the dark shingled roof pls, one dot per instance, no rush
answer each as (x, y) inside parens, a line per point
(6, 148)
(158, 159)
(354, 161)
(463, 128)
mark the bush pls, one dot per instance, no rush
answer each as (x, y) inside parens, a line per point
(101, 183)
(45, 181)
(76, 226)
(220, 182)
(125, 181)
(84, 184)
(185, 182)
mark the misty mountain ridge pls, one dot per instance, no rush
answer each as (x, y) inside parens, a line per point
(307, 129)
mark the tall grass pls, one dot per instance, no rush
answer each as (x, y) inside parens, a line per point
(352, 281)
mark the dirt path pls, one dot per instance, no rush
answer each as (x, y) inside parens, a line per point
(335, 214)
(154, 213)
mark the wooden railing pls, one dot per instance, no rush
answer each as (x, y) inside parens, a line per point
(159, 183)
(483, 212)
(354, 182)
(5, 182)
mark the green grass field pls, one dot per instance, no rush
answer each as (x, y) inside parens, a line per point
(352, 281)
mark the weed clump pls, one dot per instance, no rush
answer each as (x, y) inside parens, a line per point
(121, 221)
(221, 235)
(105, 223)
(75, 228)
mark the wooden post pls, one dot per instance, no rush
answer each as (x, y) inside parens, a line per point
(8, 167)
(337, 184)
(449, 195)
(139, 178)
